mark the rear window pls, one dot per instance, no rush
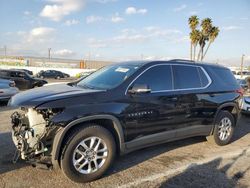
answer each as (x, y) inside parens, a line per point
(225, 75)
(186, 77)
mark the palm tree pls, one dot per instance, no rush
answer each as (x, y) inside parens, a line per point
(212, 36)
(195, 38)
(206, 26)
(193, 22)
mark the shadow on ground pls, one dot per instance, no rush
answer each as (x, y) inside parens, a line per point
(7, 150)
(243, 127)
(209, 174)
(137, 157)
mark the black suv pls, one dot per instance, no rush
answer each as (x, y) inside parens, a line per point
(22, 79)
(124, 107)
(52, 74)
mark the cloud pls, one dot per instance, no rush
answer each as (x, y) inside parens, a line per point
(40, 34)
(180, 8)
(132, 36)
(231, 27)
(61, 8)
(71, 22)
(244, 18)
(27, 13)
(133, 10)
(193, 12)
(93, 19)
(116, 18)
(63, 53)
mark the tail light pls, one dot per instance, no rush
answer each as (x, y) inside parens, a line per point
(12, 84)
(240, 91)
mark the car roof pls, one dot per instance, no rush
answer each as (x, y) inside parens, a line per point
(175, 61)
(10, 70)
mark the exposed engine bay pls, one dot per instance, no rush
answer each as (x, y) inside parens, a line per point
(31, 130)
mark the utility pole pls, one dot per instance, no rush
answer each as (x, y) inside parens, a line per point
(5, 51)
(49, 49)
(241, 65)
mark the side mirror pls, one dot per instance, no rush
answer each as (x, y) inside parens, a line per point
(139, 88)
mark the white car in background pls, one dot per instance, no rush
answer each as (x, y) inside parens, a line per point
(7, 89)
(245, 74)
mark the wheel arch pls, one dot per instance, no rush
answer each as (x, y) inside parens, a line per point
(107, 121)
(230, 107)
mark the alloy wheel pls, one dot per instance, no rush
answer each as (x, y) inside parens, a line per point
(225, 128)
(90, 155)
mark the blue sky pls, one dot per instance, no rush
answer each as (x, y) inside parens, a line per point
(121, 29)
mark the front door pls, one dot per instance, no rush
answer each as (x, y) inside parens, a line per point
(158, 110)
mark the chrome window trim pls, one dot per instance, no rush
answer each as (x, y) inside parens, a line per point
(186, 89)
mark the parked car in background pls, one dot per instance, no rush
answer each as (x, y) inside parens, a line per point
(28, 71)
(244, 75)
(243, 83)
(245, 105)
(22, 79)
(84, 74)
(234, 72)
(121, 108)
(52, 74)
(7, 89)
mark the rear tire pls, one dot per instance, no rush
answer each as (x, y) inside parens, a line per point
(80, 161)
(223, 129)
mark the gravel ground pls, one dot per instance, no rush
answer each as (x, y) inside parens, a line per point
(185, 163)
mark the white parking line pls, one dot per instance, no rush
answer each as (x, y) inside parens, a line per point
(184, 167)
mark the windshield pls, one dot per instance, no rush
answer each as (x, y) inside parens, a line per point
(108, 77)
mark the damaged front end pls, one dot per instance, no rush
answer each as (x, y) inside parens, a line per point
(33, 135)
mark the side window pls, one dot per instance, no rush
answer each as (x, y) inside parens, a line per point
(13, 74)
(186, 77)
(157, 78)
(203, 77)
(4, 74)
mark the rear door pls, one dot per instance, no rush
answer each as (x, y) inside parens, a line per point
(191, 82)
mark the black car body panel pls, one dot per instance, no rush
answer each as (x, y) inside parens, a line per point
(141, 119)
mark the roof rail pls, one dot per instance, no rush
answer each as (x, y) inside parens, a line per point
(183, 60)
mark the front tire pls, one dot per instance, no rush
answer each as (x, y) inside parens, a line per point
(223, 129)
(88, 153)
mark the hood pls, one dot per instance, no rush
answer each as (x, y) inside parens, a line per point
(37, 96)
